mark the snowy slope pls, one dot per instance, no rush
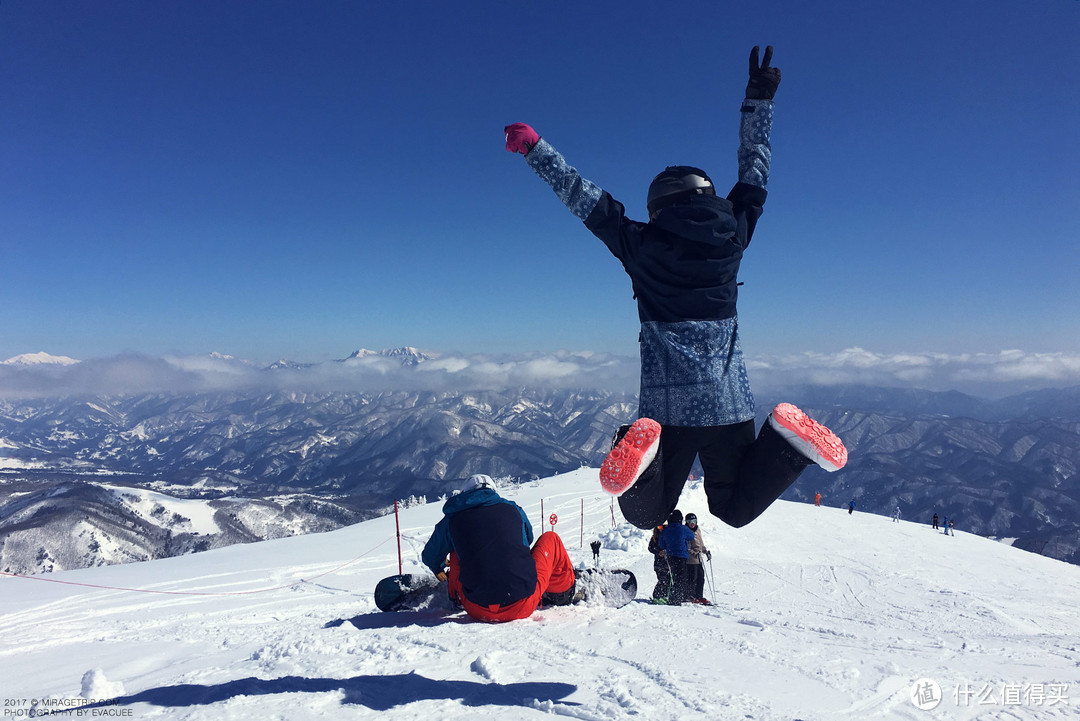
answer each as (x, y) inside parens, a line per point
(819, 615)
(192, 515)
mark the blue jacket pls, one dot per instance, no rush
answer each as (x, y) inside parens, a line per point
(675, 540)
(683, 267)
(492, 538)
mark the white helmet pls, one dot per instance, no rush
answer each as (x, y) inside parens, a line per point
(478, 480)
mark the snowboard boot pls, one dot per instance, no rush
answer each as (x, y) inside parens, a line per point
(630, 456)
(809, 437)
(563, 598)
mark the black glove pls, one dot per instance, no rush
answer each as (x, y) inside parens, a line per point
(763, 79)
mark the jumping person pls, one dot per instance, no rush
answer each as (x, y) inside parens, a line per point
(695, 392)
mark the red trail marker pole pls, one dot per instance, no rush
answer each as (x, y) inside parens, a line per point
(397, 527)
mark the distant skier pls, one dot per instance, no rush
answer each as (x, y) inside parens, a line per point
(950, 529)
(896, 515)
(935, 522)
(945, 524)
(662, 590)
(695, 570)
(675, 542)
(851, 507)
(595, 546)
(493, 573)
(695, 391)
(817, 499)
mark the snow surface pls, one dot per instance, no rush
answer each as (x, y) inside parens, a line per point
(819, 615)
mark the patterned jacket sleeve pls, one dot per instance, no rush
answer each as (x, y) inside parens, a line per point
(579, 195)
(755, 154)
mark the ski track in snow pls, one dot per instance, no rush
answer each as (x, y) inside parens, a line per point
(817, 615)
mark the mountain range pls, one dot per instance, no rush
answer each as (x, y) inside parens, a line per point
(270, 463)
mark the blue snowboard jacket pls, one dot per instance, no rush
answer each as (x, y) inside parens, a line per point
(492, 538)
(683, 267)
(675, 540)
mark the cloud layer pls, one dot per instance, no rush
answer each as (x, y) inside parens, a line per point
(984, 374)
(989, 374)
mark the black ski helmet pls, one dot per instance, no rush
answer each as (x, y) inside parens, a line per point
(676, 183)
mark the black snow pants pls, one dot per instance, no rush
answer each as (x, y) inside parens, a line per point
(681, 591)
(743, 474)
(663, 578)
(696, 573)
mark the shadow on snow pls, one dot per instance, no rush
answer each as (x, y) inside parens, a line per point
(401, 619)
(379, 693)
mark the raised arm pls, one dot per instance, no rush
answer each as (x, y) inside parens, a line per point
(579, 195)
(756, 124)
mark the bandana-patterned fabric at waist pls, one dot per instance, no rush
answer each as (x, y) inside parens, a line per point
(693, 374)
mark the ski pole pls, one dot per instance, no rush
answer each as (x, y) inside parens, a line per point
(671, 581)
(712, 586)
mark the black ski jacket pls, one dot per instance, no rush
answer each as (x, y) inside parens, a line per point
(492, 538)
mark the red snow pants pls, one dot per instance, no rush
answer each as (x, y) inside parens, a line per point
(554, 572)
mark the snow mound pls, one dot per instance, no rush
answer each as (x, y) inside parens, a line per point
(96, 687)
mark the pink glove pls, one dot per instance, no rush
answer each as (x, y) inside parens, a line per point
(520, 138)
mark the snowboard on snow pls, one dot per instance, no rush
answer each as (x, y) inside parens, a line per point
(414, 591)
(407, 592)
(613, 587)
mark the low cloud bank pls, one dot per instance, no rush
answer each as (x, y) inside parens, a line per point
(129, 374)
(982, 374)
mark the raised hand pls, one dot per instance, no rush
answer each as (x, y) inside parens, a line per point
(520, 138)
(763, 79)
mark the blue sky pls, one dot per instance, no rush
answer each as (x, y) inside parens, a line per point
(301, 179)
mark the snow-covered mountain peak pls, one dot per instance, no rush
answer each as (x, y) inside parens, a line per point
(39, 359)
(407, 355)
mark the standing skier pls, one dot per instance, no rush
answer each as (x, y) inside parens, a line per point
(662, 590)
(493, 572)
(695, 571)
(683, 265)
(675, 542)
